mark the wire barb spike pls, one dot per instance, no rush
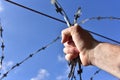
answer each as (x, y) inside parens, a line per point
(77, 15)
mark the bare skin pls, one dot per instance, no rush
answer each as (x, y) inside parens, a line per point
(79, 42)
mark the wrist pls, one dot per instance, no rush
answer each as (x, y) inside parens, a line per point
(87, 54)
(92, 52)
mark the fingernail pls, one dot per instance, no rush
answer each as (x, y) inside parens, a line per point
(76, 24)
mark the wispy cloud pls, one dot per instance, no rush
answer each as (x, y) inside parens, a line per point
(61, 77)
(6, 66)
(61, 58)
(1, 6)
(64, 75)
(42, 75)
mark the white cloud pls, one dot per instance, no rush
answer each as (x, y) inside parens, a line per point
(6, 66)
(64, 75)
(1, 7)
(61, 58)
(61, 77)
(42, 75)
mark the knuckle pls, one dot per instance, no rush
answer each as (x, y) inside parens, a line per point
(64, 50)
(68, 57)
(62, 31)
(75, 29)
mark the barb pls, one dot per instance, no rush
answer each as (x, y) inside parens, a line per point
(77, 15)
(60, 10)
(30, 56)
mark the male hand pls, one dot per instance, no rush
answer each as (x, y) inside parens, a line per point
(78, 42)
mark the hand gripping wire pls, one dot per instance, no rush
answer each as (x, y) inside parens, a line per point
(74, 62)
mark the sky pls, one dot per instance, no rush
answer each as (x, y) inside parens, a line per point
(25, 32)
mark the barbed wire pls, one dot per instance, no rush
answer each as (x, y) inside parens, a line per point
(27, 58)
(2, 46)
(98, 18)
(51, 17)
(43, 48)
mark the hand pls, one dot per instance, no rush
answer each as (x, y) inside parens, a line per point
(78, 42)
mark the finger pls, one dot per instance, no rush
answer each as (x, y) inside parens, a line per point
(71, 53)
(65, 35)
(70, 57)
(77, 36)
(69, 44)
(70, 50)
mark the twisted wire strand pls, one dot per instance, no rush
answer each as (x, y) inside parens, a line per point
(27, 58)
(98, 18)
(2, 46)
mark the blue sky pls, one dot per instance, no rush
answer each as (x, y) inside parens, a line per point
(26, 31)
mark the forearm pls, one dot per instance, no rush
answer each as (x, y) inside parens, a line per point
(107, 57)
